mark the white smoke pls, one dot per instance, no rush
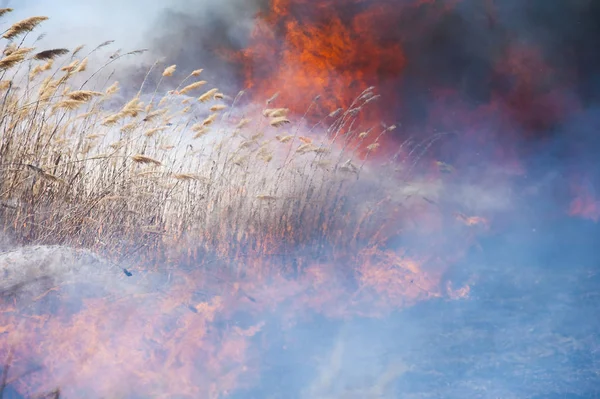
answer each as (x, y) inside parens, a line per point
(132, 23)
(27, 272)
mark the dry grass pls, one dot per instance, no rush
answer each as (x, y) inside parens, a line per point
(78, 171)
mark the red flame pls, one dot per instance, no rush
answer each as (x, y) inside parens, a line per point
(302, 49)
(335, 49)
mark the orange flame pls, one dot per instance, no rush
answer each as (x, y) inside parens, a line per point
(584, 204)
(302, 49)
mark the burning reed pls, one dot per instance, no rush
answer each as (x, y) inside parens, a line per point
(88, 176)
(194, 187)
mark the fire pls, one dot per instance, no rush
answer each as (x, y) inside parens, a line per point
(335, 50)
(585, 203)
(189, 340)
(195, 322)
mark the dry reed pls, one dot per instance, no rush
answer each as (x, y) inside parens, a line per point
(194, 172)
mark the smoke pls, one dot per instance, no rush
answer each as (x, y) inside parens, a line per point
(529, 327)
(73, 23)
(484, 52)
(183, 32)
(503, 77)
(458, 51)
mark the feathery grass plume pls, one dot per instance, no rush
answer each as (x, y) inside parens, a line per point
(209, 120)
(348, 166)
(267, 157)
(322, 163)
(151, 115)
(86, 148)
(128, 128)
(116, 145)
(275, 112)
(169, 70)
(322, 150)
(153, 131)
(23, 26)
(14, 58)
(10, 61)
(115, 55)
(208, 95)
(192, 86)
(5, 84)
(284, 139)
(240, 160)
(69, 105)
(243, 123)
(71, 67)
(35, 71)
(273, 98)
(84, 95)
(47, 89)
(50, 54)
(4, 11)
(219, 96)
(9, 49)
(82, 66)
(47, 66)
(305, 148)
(142, 159)
(373, 146)
(217, 107)
(93, 136)
(77, 49)
(112, 119)
(200, 133)
(196, 72)
(199, 130)
(66, 90)
(163, 101)
(335, 113)
(133, 108)
(112, 89)
(104, 44)
(246, 144)
(86, 115)
(278, 122)
(363, 135)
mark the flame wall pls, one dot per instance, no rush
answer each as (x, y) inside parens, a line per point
(508, 73)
